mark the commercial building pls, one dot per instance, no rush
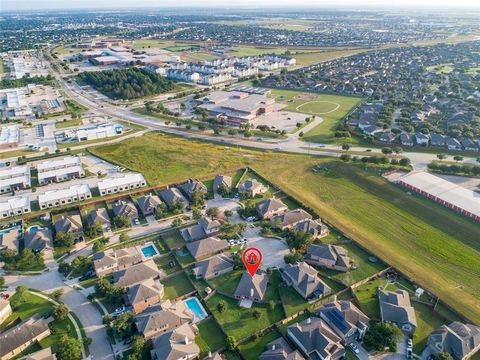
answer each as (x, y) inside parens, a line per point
(15, 206)
(9, 136)
(451, 195)
(236, 107)
(124, 183)
(99, 132)
(15, 178)
(60, 197)
(60, 170)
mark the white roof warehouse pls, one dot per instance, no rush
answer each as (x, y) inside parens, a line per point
(451, 195)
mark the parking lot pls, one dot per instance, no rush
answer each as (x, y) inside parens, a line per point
(281, 120)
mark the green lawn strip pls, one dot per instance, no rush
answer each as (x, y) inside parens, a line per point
(240, 322)
(292, 300)
(176, 286)
(89, 282)
(168, 264)
(173, 239)
(68, 123)
(253, 348)
(210, 338)
(283, 328)
(184, 257)
(274, 281)
(226, 283)
(367, 297)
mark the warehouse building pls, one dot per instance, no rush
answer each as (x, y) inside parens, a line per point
(124, 183)
(99, 132)
(9, 136)
(15, 178)
(15, 206)
(60, 197)
(451, 195)
(64, 169)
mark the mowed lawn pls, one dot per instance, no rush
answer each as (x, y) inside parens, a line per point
(429, 243)
(331, 108)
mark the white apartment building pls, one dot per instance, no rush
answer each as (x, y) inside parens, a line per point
(124, 183)
(212, 79)
(64, 169)
(15, 206)
(14, 178)
(60, 197)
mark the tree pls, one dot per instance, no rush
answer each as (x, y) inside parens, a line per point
(458, 158)
(345, 147)
(271, 305)
(213, 212)
(441, 157)
(64, 239)
(257, 314)
(228, 213)
(87, 341)
(196, 213)
(123, 325)
(57, 294)
(95, 229)
(21, 294)
(60, 312)
(138, 345)
(69, 348)
(2, 281)
(386, 150)
(382, 334)
(231, 343)
(198, 198)
(122, 221)
(124, 237)
(221, 306)
(299, 240)
(404, 161)
(177, 222)
(443, 356)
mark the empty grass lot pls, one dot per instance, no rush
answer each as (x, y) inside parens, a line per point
(177, 286)
(210, 337)
(331, 108)
(173, 239)
(240, 322)
(429, 243)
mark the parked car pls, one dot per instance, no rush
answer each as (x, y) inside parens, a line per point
(354, 348)
(128, 341)
(136, 222)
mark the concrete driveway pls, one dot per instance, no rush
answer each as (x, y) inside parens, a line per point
(273, 250)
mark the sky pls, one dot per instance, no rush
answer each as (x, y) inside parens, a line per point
(6, 5)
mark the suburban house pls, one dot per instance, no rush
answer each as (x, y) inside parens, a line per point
(204, 228)
(316, 340)
(178, 343)
(144, 294)
(313, 227)
(65, 169)
(119, 184)
(329, 256)
(71, 224)
(348, 322)
(406, 139)
(251, 188)
(101, 216)
(14, 178)
(173, 196)
(38, 240)
(280, 350)
(206, 247)
(191, 187)
(222, 181)
(15, 206)
(125, 208)
(268, 208)
(460, 340)
(212, 267)
(5, 310)
(250, 288)
(160, 318)
(304, 278)
(136, 274)
(111, 260)
(60, 197)
(395, 307)
(16, 339)
(149, 204)
(289, 219)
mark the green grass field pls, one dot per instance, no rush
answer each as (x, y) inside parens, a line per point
(68, 123)
(210, 338)
(177, 286)
(429, 243)
(331, 108)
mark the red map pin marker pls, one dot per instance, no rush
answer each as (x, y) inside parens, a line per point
(252, 258)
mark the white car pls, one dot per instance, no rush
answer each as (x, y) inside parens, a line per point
(355, 348)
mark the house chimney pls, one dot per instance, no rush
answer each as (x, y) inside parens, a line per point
(209, 354)
(273, 347)
(187, 340)
(251, 292)
(309, 320)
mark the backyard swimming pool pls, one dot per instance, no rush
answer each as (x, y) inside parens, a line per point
(7, 230)
(196, 307)
(149, 250)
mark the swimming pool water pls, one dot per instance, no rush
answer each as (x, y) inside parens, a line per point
(194, 305)
(149, 251)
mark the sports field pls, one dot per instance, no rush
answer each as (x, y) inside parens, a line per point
(429, 243)
(331, 108)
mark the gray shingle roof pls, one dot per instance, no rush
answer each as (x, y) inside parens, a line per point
(148, 203)
(457, 339)
(212, 265)
(222, 180)
(257, 283)
(268, 205)
(125, 208)
(37, 240)
(69, 223)
(305, 279)
(206, 247)
(176, 344)
(136, 274)
(100, 215)
(395, 307)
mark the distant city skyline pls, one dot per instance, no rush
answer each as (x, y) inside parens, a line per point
(7, 5)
